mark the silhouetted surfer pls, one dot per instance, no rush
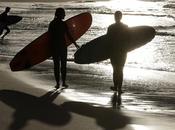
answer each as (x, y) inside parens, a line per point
(57, 30)
(118, 53)
(3, 22)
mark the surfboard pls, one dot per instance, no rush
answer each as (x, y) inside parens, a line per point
(100, 48)
(13, 19)
(39, 50)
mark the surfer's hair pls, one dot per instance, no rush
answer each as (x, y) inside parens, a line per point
(118, 15)
(59, 12)
(7, 9)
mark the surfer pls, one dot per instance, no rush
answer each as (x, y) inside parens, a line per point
(118, 56)
(3, 22)
(57, 30)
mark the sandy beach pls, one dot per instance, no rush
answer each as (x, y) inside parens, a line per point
(30, 104)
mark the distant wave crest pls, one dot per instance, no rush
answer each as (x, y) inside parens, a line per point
(165, 34)
(169, 6)
(159, 30)
(165, 27)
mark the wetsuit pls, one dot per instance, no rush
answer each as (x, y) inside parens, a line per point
(3, 23)
(118, 52)
(57, 30)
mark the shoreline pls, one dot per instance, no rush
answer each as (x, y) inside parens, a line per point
(144, 90)
(25, 104)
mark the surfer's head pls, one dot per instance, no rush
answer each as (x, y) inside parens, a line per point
(7, 9)
(60, 13)
(118, 16)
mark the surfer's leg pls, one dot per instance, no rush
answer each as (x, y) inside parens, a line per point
(1, 31)
(115, 79)
(1, 28)
(120, 76)
(118, 64)
(116, 70)
(56, 62)
(64, 68)
(8, 31)
(63, 71)
(119, 80)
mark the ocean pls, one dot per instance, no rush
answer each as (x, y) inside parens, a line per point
(149, 71)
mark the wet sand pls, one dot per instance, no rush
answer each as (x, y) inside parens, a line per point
(28, 104)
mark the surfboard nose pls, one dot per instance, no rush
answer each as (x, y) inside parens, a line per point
(16, 65)
(151, 32)
(21, 62)
(154, 32)
(77, 57)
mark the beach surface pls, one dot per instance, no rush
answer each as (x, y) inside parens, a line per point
(27, 103)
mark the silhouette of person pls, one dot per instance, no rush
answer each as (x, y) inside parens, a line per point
(118, 53)
(57, 30)
(3, 22)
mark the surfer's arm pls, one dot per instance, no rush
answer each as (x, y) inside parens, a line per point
(71, 38)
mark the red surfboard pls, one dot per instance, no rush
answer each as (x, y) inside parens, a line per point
(39, 49)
